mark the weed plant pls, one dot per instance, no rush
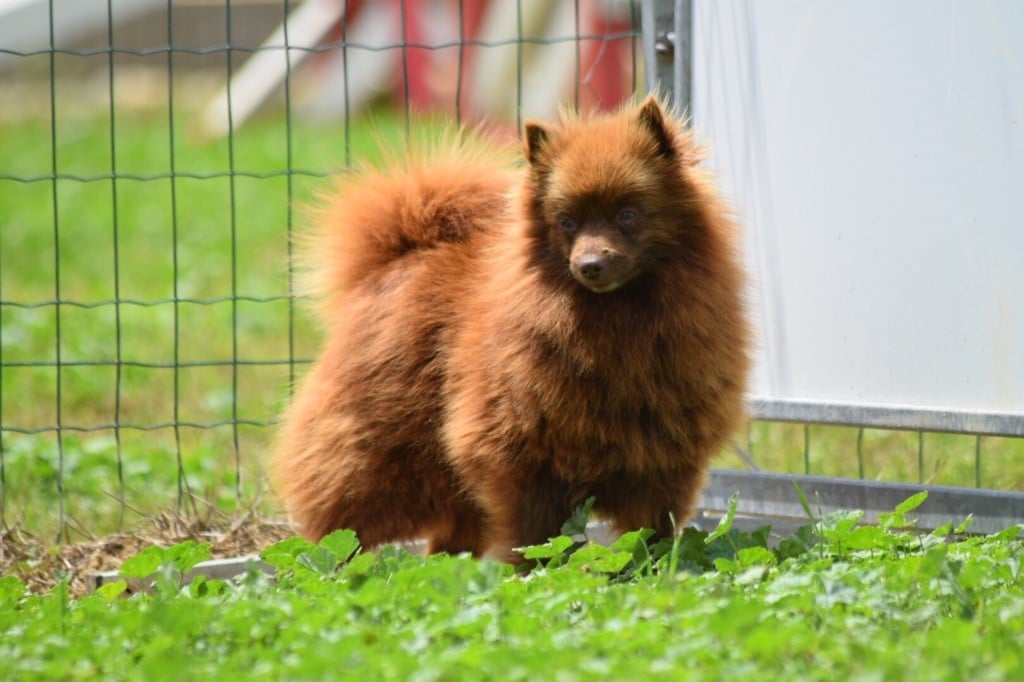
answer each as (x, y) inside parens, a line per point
(834, 601)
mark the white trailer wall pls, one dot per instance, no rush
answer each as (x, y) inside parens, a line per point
(875, 154)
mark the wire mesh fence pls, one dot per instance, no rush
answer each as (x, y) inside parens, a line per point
(157, 158)
(148, 195)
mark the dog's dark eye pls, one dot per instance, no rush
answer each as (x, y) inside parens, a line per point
(567, 223)
(628, 216)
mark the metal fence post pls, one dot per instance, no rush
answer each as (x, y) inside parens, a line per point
(667, 27)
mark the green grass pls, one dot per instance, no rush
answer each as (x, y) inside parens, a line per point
(200, 238)
(885, 455)
(835, 601)
(205, 239)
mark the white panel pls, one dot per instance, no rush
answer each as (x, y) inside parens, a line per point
(875, 155)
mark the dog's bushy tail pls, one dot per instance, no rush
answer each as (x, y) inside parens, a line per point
(425, 195)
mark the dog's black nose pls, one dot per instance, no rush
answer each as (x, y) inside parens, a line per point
(592, 265)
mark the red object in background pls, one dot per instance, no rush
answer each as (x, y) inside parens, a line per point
(472, 17)
(605, 68)
(416, 60)
(605, 63)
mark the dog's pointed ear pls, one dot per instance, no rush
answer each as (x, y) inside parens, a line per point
(652, 119)
(537, 137)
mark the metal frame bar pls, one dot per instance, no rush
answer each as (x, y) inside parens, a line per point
(900, 417)
(774, 495)
(665, 37)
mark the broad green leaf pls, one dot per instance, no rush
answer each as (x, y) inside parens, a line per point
(282, 555)
(343, 543)
(627, 542)
(800, 542)
(1008, 572)
(790, 584)
(934, 561)
(201, 586)
(725, 523)
(974, 576)
(167, 581)
(866, 537)
(693, 546)
(755, 556)
(185, 555)
(756, 538)
(598, 559)
(11, 590)
(143, 564)
(840, 522)
(898, 517)
(554, 547)
(635, 543)
(965, 525)
(218, 586)
(360, 564)
(577, 523)
(1010, 533)
(198, 586)
(912, 502)
(112, 590)
(320, 560)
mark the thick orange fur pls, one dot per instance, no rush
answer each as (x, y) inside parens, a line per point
(501, 346)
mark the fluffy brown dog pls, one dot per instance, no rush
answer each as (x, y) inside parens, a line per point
(500, 349)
